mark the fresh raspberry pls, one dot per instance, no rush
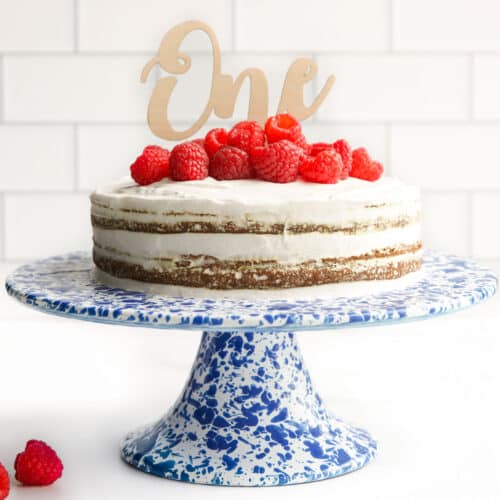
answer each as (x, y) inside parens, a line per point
(214, 140)
(317, 147)
(277, 162)
(326, 167)
(285, 126)
(200, 142)
(301, 142)
(4, 483)
(246, 136)
(151, 166)
(363, 167)
(188, 162)
(376, 171)
(38, 464)
(344, 149)
(230, 163)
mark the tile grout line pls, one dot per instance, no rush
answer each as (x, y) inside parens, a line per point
(470, 223)
(76, 161)
(277, 53)
(2, 89)
(214, 121)
(65, 191)
(438, 122)
(3, 232)
(391, 34)
(472, 86)
(315, 86)
(432, 191)
(45, 192)
(72, 53)
(233, 25)
(76, 27)
(388, 148)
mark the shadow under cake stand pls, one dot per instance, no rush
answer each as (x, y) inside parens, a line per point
(248, 414)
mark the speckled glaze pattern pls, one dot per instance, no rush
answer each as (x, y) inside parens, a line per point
(248, 416)
(65, 285)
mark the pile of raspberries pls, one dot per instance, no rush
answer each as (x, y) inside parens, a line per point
(279, 152)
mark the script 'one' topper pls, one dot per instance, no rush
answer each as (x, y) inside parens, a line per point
(225, 89)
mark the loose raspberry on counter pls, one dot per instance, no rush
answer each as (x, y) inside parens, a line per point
(4, 483)
(246, 135)
(285, 126)
(214, 140)
(326, 167)
(277, 162)
(151, 166)
(344, 149)
(188, 162)
(230, 163)
(38, 464)
(363, 167)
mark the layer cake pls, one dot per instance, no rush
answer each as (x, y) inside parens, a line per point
(250, 234)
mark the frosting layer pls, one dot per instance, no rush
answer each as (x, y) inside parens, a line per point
(242, 202)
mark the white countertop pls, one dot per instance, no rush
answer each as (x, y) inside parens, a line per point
(427, 391)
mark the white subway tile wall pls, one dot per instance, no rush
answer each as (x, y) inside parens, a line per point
(138, 25)
(75, 88)
(487, 85)
(46, 224)
(395, 87)
(318, 25)
(417, 84)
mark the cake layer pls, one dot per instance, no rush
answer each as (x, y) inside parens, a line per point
(254, 227)
(325, 291)
(208, 273)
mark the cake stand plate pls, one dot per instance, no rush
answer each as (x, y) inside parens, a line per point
(248, 414)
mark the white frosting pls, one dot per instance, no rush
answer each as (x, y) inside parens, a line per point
(293, 203)
(144, 248)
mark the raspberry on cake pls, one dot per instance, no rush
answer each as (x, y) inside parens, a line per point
(285, 126)
(317, 147)
(188, 162)
(151, 166)
(214, 140)
(277, 162)
(363, 167)
(230, 163)
(326, 167)
(246, 135)
(344, 149)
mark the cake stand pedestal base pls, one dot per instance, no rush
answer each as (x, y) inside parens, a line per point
(248, 416)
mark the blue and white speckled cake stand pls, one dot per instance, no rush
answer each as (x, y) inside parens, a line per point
(249, 414)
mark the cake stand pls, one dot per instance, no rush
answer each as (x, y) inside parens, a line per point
(248, 414)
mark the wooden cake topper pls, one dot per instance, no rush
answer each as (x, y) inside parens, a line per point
(225, 89)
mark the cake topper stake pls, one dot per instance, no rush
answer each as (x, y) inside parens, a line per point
(224, 90)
